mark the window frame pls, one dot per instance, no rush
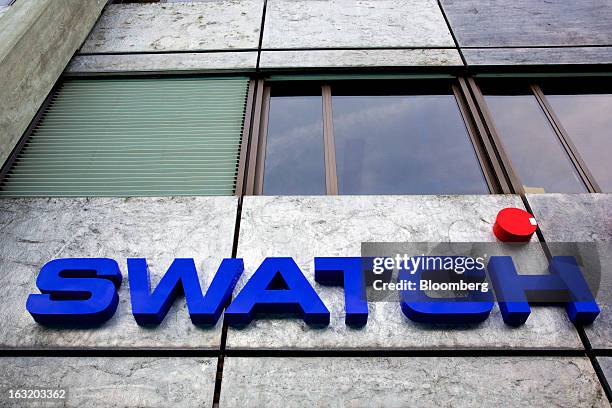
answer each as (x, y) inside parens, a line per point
(500, 175)
(489, 164)
(533, 86)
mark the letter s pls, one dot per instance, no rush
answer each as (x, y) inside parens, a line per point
(76, 292)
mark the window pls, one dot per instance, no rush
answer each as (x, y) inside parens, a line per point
(384, 137)
(134, 137)
(294, 162)
(526, 136)
(403, 144)
(587, 118)
(316, 135)
(555, 132)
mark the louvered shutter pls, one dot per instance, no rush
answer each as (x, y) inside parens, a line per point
(134, 137)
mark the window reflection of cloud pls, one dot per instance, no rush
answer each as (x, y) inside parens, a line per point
(414, 144)
(293, 141)
(294, 151)
(588, 120)
(533, 147)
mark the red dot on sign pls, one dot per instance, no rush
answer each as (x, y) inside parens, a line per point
(514, 225)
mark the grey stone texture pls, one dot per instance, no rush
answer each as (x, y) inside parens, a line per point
(582, 218)
(410, 382)
(305, 227)
(189, 26)
(359, 58)
(35, 231)
(37, 39)
(606, 366)
(499, 23)
(183, 62)
(112, 381)
(538, 56)
(355, 24)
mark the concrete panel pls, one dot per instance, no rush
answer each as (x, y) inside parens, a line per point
(538, 56)
(37, 39)
(112, 382)
(34, 231)
(305, 227)
(410, 382)
(498, 23)
(197, 62)
(583, 218)
(355, 24)
(359, 58)
(210, 25)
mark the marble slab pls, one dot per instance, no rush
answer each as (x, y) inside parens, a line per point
(606, 366)
(181, 62)
(35, 231)
(188, 26)
(359, 58)
(410, 382)
(538, 56)
(583, 218)
(304, 227)
(355, 24)
(112, 381)
(499, 23)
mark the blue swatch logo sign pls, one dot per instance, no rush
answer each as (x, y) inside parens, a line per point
(84, 291)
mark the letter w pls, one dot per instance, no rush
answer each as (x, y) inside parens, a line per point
(181, 278)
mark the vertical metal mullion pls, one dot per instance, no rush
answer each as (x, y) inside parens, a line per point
(253, 158)
(496, 165)
(244, 143)
(263, 141)
(497, 143)
(566, 141)
(491, 178)
(331, 177)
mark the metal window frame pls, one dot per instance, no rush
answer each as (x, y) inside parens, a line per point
(331, 176)
(259, 137)
(244, 143)
(482, 155)
(495, 163)
(562, 135)
(256, 153)
(506, 172)
(566, 141)
(489, 165)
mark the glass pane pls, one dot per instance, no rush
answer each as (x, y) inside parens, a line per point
(408, 144)
(588, 120)
(295, 158)
(536, 152)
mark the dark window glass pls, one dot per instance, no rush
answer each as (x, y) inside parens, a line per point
(294, 162)
(404, 144)
(588, 121)
(534, 149)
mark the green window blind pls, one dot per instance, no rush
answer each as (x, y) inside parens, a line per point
(134, 137)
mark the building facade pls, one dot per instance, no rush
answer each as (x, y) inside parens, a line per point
(250, 129)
